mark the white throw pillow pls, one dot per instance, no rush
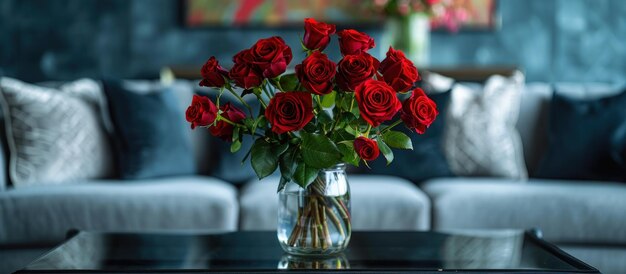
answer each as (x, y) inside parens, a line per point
(55, 135)
(480, 138)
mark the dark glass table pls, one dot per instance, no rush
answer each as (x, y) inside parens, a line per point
(254, 252)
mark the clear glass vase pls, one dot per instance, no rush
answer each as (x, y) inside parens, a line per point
(316, 220)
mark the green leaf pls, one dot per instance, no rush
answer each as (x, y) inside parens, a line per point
(248, 122)
(355, 111)
(397, 139)
(385, 150)
(319, 151)
(235, 135)
(341, 135)
(264, 157)
(235, 146)
(328, 100)
(281, 184)
(325, 117)
(289, 82)
(288, 162)
(349, 155)
(352, 131)
(305, 175)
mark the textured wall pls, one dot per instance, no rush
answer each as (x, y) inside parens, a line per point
(559, 40)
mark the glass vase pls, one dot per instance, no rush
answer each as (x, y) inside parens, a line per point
(316, 220)
(411, 34)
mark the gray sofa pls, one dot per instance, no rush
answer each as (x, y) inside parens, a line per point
(587, 219)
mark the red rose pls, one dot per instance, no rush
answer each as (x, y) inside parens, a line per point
(202, 112)
(213, 74)
(245, 75)
(366, 148)
(398, 71)
(316, 73)
(223, 129)
(271, 55)
(289, 111)
(419, 111)
(377, 102)
(244, 56)
(354, 42)
(356, 69)
(317, 34)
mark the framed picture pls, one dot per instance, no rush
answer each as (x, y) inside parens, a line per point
(274, 13)
(476, 14)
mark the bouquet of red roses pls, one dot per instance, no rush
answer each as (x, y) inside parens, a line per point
(324, 114)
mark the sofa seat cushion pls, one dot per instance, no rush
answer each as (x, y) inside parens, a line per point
(565, 211)
(377, 203)
(45, 213)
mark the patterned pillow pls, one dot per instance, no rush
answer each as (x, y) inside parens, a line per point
(480, 138)
(54, 136)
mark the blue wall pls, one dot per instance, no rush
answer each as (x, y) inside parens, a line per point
(552, 40)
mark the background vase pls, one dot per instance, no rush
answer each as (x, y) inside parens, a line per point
(411, 34)
(316, 220)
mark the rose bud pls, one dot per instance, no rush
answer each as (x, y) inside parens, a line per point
(245, 75)
(202, 112)
(398, 71)
(271, 55)
(366, 148)
(356, 69)
(213, 74)
(316, 73)
(224, 130)
(377, 102)
(354, 42)
(289, 111)
(317, 34)
(419, 111)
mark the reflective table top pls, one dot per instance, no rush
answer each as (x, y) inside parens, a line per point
(248, 252)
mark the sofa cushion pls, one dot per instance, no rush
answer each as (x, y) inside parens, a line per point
(152, 136)
(566, 211)
(582, 138)
(377, 203)
(480, 136)
(45, 213)
(55, 136)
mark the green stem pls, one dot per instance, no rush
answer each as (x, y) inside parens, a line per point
(391, 126)
(278, 85)
(241, 100)
(367, 133)
(258, 96)
(319, 101)
(222, 118)
(351, 103)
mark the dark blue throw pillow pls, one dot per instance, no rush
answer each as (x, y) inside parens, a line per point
(149, 136)
(585, 138)
(426, 160)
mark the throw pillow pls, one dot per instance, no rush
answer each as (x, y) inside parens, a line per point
(426, 160)
(54, 136)
(151, 134)
(480, 137)
(584, 138)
